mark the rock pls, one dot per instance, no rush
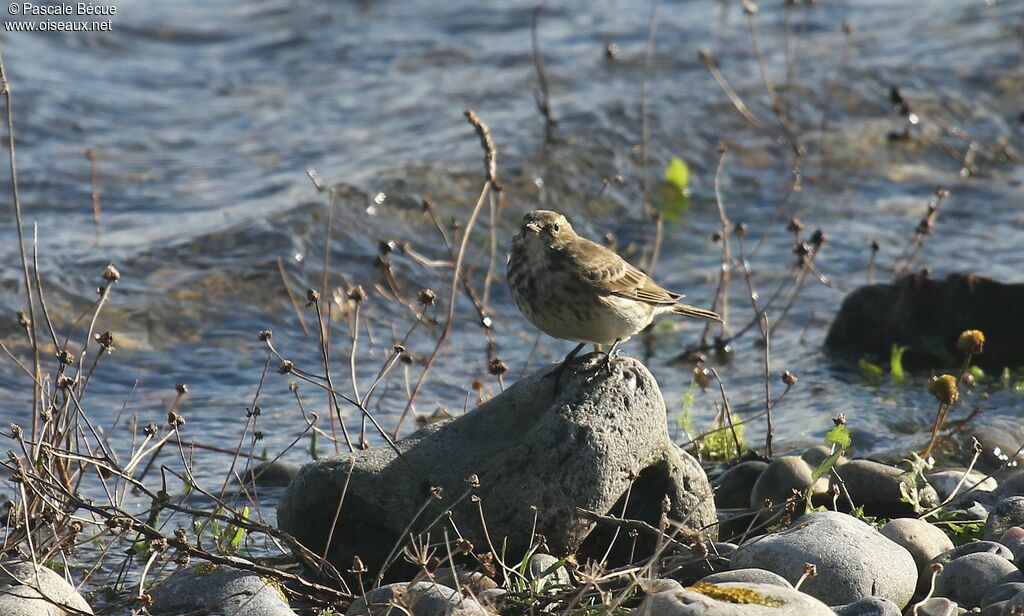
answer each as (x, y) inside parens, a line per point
(1016, 602)
(779, 479)
(945, 482)
(818, 454)
(492, 597)
(696, 568)
(732, 599)
(416, 599)
(974, 547)
(586, 446)
(548, 572)
(32, 590)
(870, 606)
(967, 578)
(755, 576)
(937, 606)
(210, 588)
(1001, 592)
(1000, 438)
(922, 540)
(1012, 485)
(996, 609)
(275, 473)
(473, 581)
(853, 559)
(928, 316)
(876, 488)
(1006, 513)
(734, 486)
(1013, 538)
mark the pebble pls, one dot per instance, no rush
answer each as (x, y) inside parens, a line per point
(876, 487)
(1001, 592)
(17, 599)
(779, 479)
(967, 578)
(946, 481)
(853, 559)
(1006, 513)
(1013, 538)
(869, 606)
(548, 572)
(923, 540)
(974, 547)
(733, 487)
(755, 576)
(759, 600)
(415, 599)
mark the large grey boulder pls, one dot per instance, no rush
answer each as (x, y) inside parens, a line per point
(732, 599)
(220, 590)
(537, 452)
(28, 590)
(853, 559)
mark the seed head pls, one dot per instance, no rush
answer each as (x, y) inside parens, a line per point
(427, 297)
(944, 389)
(357, 294)
(789, 379)
(286, 367)
(265, 334)
(971, 341)
(312, 297)
(496, 367)
(111, 274)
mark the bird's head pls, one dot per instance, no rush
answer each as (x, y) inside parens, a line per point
(546, 227)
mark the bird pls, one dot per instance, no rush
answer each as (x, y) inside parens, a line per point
(575, 289)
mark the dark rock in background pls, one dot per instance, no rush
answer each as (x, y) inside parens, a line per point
(927, 316)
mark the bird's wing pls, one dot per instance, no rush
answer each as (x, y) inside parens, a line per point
(609, 274)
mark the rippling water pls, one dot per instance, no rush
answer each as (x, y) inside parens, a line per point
(204, 117)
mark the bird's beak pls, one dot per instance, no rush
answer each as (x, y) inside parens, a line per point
(533, 227)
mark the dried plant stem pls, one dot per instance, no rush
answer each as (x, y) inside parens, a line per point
(542, 98)
(95, 192)
(5, 89)
(721, 303)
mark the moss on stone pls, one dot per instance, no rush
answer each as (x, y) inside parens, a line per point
(730, 594)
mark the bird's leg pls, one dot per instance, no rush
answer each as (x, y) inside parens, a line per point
(557, 374)
(612, 352)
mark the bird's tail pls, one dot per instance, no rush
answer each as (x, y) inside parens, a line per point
(697, 313)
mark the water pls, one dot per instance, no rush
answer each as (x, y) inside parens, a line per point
(204, 117)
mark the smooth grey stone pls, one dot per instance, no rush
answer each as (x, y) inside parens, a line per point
(717, 560)
(276, 473)
(923, 540)
(974, 547)
(779, 479)
(1000, 438)
(755, 576)
(937, 606)
(538, 454)
(29, 590)
(777, 601)
(221, 590)
(416, 599)
(1012, 485)
(996, 609)
(548, 572)
(946, 481)
(967, 578)
(734, 486)
(1006, 513)
(817, 454)
(975, 511)
(1001, 592)
(491, 597)
(876, 487)
(869, 606)
(1013, 538)
(853, 559)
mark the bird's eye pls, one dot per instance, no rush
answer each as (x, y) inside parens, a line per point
(554, 227)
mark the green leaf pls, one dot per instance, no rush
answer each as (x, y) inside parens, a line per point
(237, 533)
(977, 373)
(869, 370)
(677, 173)
(826, 465)
(840, 436)
(896, 363)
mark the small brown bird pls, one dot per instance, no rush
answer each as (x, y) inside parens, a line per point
(576, 289)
